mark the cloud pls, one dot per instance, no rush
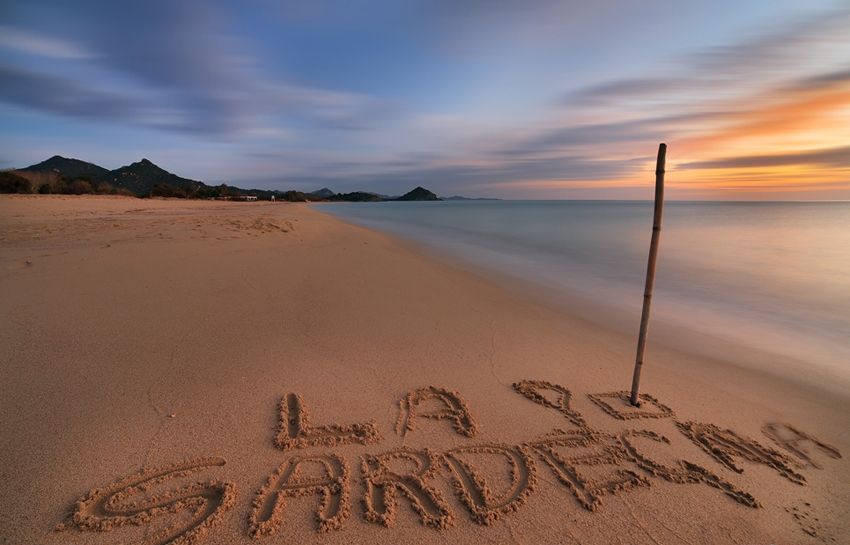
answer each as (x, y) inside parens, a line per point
(797, 42)
(388, 177)
(818, 80)
(37, 44)
(193, 67)
(789, 115)
(613, 153)
(784, 92)
(330, 109)
(604, 136)
(766, 87)
(758, 58)
(65, 96)
(826, 158)
(59, 95)
(627, 88)
(180, 60)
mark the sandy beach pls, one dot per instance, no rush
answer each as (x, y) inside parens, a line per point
(221, 373)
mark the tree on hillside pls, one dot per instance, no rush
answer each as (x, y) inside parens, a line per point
(81, 187)
(12, 183)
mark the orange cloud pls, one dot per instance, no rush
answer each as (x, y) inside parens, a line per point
(792, 139)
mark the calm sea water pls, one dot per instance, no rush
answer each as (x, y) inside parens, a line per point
(770, 276)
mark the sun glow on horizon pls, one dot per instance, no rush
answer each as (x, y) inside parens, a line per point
(561, 101)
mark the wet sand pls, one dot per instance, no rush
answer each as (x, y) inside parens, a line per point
(217, 372)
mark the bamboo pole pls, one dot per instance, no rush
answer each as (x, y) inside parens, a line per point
(650, 270)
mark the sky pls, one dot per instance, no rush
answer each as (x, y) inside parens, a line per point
(531, 99)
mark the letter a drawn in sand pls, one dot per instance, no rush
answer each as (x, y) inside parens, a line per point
(113, 506)
(725, 445)
(383, 483)
(287, 482)
(474, 491)
(795, 441)
(294, 430)
(452, 408)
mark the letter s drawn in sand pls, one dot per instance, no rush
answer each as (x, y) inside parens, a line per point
(294, 430)
(267, 508)
(104, 509)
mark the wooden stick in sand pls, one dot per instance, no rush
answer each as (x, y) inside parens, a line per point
(650, 269)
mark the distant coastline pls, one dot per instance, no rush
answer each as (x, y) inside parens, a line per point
(143, 179)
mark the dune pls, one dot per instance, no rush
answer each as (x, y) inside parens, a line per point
(190, 372)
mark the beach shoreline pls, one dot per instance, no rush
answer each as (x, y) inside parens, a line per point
(720, 351)
(580, 266)
(141, 333)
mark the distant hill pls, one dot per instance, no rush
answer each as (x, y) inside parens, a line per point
(460, 198)
(357, 196)
(324, 193)
(419, 194)
(70, 168)
(143, 179)
(142, 176)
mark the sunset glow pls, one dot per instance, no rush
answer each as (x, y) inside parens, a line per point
(541, 100)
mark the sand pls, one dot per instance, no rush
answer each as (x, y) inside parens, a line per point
(225, 373)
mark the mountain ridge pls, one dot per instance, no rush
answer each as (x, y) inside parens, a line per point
(72, 168)
(144, 178)
(419, 193)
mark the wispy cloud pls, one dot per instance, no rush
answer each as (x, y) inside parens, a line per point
(63, 96)
(447, 108)
(827, 158)
(174, 58)
(761, 56)
(761, 93)
(34, 43)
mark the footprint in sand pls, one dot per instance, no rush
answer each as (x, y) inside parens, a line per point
(804, 516)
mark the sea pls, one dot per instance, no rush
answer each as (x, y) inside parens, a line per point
(770, 277)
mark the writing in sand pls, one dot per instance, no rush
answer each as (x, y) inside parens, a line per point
(588, 462)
